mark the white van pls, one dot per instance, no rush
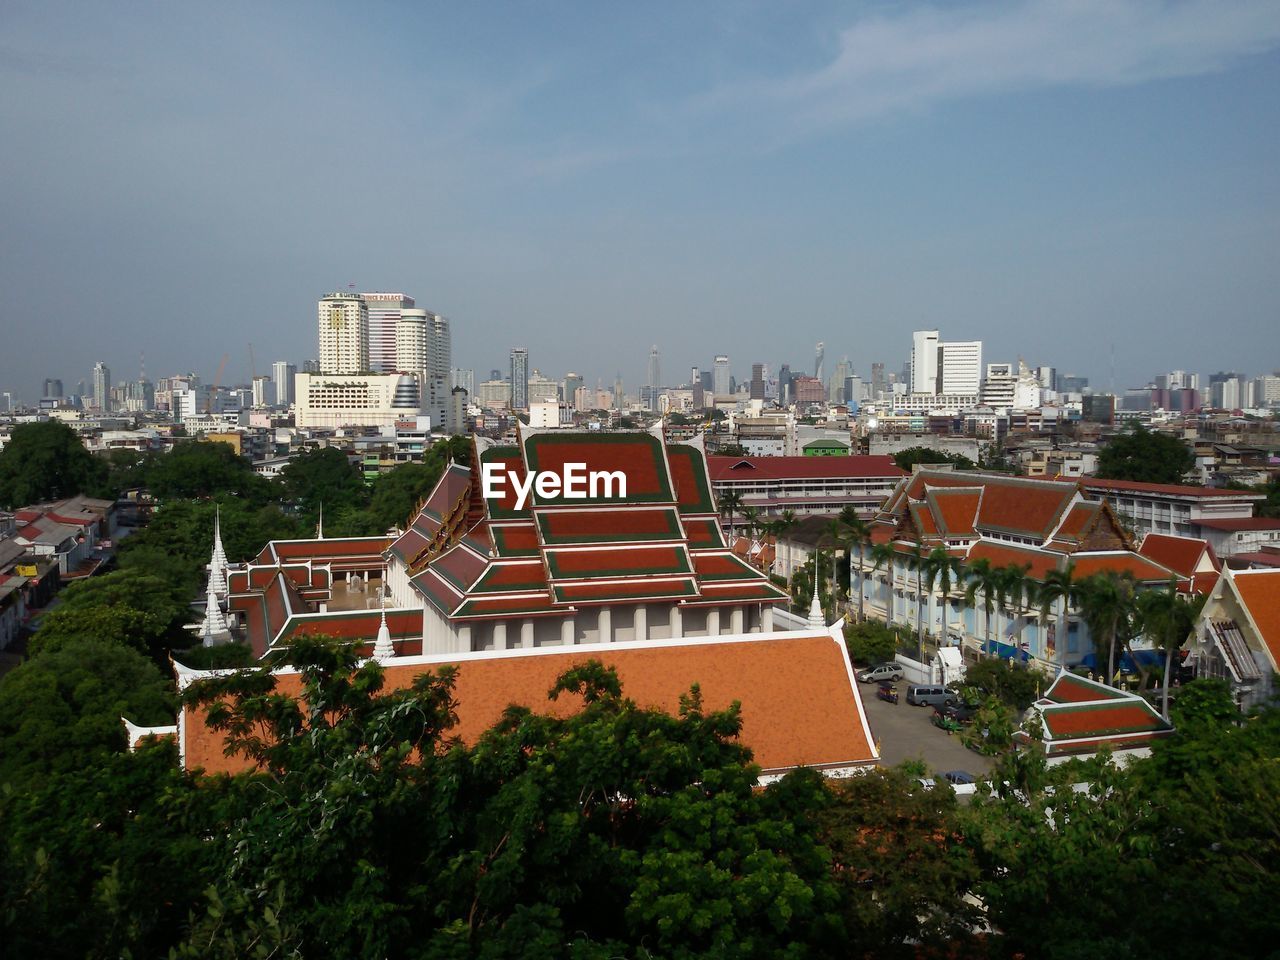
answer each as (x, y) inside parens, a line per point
(928, 695)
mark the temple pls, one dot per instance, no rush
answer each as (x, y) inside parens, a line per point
(471, 573)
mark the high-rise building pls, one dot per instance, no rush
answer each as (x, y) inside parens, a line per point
(53, 389)
(569, 387)
(819, 358)
(283, 372)
(655, 377)
(344, 334)
(959, 367)
(879, 384)
(261, 391)
(757, 381)
(720, 376)
(520, 378)
(384, 315)
(924, 361)
(310, 366)
(1048, 377)
(102, 387)
(784, 384)
(423, 350)
(466, 379)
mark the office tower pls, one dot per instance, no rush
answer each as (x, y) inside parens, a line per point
(1048, 377)
(283, 372)
(569, 387)
(310, 366)
(520, 378)
(924, 361)
(344, 334)
(53, 389)
(1070, 383)
(655, 377)
(384, 315)
(706, 379)
(464, 378)
(960, 367)
(101, 386)
(261, 391)
(878, 382)
(757, 381)
(819, 356)
(496, 374)
(720, 379)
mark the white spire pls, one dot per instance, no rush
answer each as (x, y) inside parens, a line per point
(816, 619)
(382, 647)
(320, 524)
(213, 628)
(217, 565)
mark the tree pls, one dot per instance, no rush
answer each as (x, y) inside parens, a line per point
(900, 866)
(46, 461)
(1014, 590)
(906, 459)
(1167, 619)
(1061, 588)
(916, 561)
(61, 710)
(1011, 683)
(323, 477)
(1107, 604)
(870, 642)
(945, 570)
(730, 504)
(985, 579)
(883, 555)
(1139, 454)
(858, 536)
(200, 469)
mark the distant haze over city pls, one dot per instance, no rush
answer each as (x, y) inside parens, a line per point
(1058, 181)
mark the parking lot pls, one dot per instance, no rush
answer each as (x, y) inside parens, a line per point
(905, 732)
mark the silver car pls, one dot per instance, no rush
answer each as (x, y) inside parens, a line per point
(881, 671)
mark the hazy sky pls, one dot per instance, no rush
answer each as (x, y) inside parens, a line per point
(1051, 176)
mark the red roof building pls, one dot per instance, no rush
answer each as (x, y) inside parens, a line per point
(806, 485)
(1238, 636)
(800, 704)
(1080, 716)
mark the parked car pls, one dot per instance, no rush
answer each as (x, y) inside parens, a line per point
(887, 691)
(927, 782)
(959, 712)
(943, 722)
(881, 671)
(958, 777)
(928, 695)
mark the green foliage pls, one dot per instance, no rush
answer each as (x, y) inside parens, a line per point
(129, 607)
(992, 728)
(61, 710)
(906, 459)
(198, 469)
(323, 476)
(897, 859)
(1139, 454)
(1010, 683)
(46, 461)
(871, 642)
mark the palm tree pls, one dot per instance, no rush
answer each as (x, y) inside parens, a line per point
(1014, 589)
(944, 569)
(1059, 587)
(882, 555)
(751, 520)
(985, 579)
(730, 504)
(916, 562)
(1168, 618)
(1108, 607)
(859, 535)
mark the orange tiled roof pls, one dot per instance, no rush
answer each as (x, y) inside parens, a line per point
(1143, 570)
(956, 510)
(800, 706)
(1259, 591)
(1180, 554)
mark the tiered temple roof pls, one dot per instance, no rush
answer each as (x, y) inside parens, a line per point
(1082, 716)
(474, 558)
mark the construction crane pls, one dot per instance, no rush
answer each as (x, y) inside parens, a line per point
(217, 382)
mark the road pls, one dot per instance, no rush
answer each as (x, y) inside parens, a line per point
(904, 732)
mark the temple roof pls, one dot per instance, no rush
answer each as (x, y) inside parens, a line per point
(1081, 716)
(474, 557)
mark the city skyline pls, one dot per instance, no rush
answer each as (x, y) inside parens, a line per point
(1055, 180)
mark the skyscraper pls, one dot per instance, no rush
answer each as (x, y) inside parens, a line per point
(655, 377)
(757, 381)
(924, 361)
(53, 389)
(102, 387)
(960, 366)
(261, 390)
(819, 356)
(570, 385)
(464, 378)
(283, 372)
(423, 350)
(384, 314)
(344, 334)
(520, 378)
(720, 376)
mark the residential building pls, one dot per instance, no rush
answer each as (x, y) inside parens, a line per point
(542, 389)
(423, 349)
(520, 379)
(261, 391)
(466, 379)
(494, 394)
(924, 362)
(959, 366)
(102, 387)
(1182, 509)
(385, 310)
(344, 335)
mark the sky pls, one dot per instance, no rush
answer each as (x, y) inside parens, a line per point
(1066, 180)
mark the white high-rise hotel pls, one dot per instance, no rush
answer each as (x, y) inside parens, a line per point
(423, 349)
(385, 310)
(344, 334)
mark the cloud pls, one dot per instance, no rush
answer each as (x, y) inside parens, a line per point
(917, 57)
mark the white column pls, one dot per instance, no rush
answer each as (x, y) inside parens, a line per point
(567, 630)
(464, 637)
(605, 625)
(642, 622)
(766, 618)
(735, 621)
(677, 621)
(526, 633)
(500, 635)
(713, 622)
